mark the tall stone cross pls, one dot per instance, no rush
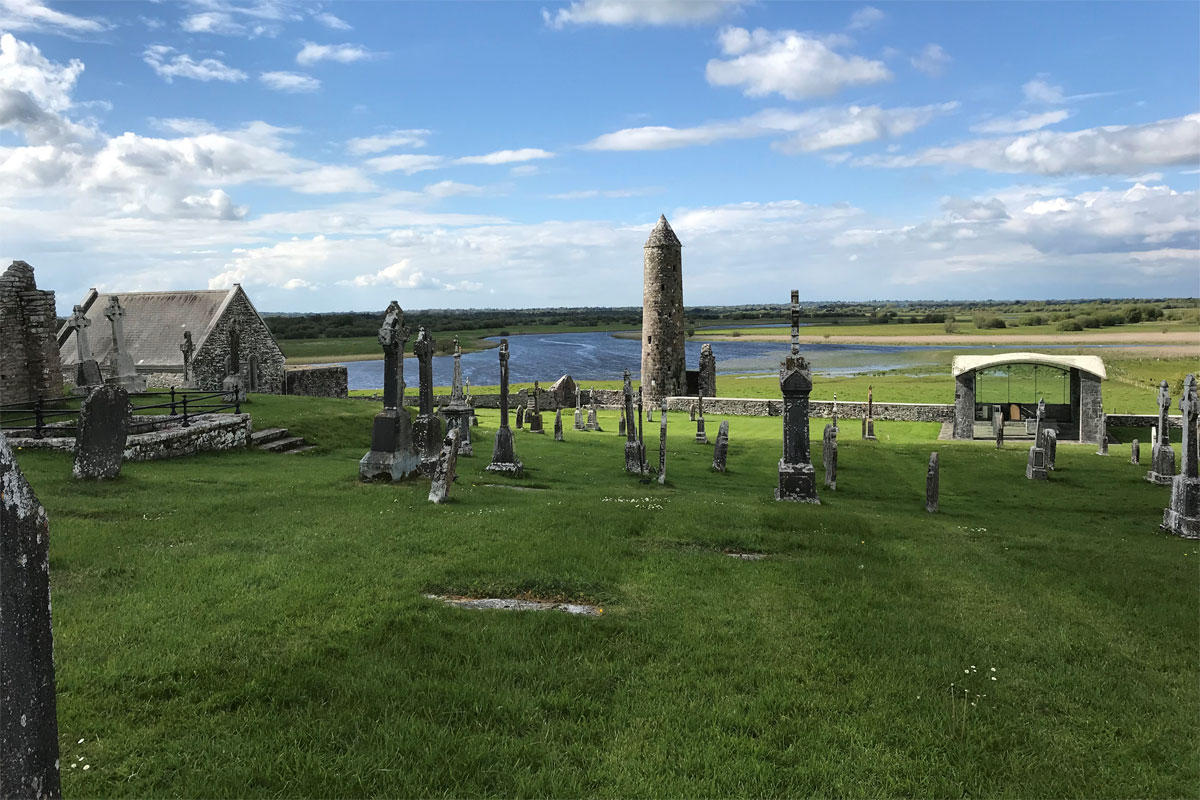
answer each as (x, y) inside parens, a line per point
(423, 349)
(116, 318)
(1189, 406)
(392, 337)
(870, 401)
(456, 391)
(79, 323)
(504, 383)
(797, 480)
(1164, 405)
(187, 348)
(536, 404)
(630, 422)
(795, 322)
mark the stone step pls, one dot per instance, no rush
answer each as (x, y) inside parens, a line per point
(267, 435)
(300, 449)
(283, 445)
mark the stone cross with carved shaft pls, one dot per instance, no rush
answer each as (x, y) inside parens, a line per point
(504, 383)
(79, 323)
(393, 336)
(1189, 406)
(187, 348)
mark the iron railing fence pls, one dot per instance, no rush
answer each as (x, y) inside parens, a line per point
(47, 415)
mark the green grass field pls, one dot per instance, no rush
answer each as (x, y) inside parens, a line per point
(253, 625)
(963, 327)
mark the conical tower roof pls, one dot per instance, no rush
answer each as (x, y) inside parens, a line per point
(662, 235)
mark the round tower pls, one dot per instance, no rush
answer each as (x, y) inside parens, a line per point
(663, 360)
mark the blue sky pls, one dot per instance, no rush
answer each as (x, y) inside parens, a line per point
(335, 156)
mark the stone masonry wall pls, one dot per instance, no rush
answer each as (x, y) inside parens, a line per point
(1141, 421)
(316, 381)
(29, 362)
(255, 339)
(663, 357)
(773, 407)
(169, 439)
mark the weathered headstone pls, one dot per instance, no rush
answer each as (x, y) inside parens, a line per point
(1035, 465)
(1135, 452)
(504, 456)
(692, 413)
(633, 452)
(103, 429)
(28, 707)
(87, 373)
(869, 419)
(593, 423)
(701, 436)
(579, 423)
(520, 418)
(829, 455)
(534, 417)
(393, 454)
(797, 477)
(187, 348)
(562, 391)
(998, 425)
(1103, 449)
(232, 384)
(1162, 455)
(558, 426)
(444, 468)
(932, 483)
(457, 412)
(427, 430)
(121, 363)
(708, 371)
(1182, 516)
(835, 414)
(1050, 442)
(662, 444)
(721, 449)
(622, 424)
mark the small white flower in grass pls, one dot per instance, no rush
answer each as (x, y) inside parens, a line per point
(79, 742)
(87, 766)
(967, 671)
(993, 677)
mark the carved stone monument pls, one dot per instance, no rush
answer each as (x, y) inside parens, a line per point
(708, 371)
(188, 349)
(932, 481)
(1135, 452)
(558, 428)
(504, 456)
(1050, 442)
(120, 362)
(444, 469)
(869, 419)
(797, 477)
(1035, 466)
(633, 449)
(520, 418)
(721, 449)
(457, 412)
(593, 423)
(103, 430)
(701, 436)
(662, 444)
(579, 423)
(1182, 516)
(427, 430)
(393, 454)
(1162, 455)
(87, 373)
(28, 707)
(829, 455)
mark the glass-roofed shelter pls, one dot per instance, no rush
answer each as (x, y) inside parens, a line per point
(1004, 389)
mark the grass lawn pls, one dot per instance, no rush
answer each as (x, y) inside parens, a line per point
(963, 327)
(249, 624)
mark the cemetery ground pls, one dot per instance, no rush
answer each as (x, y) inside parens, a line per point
(253, 624)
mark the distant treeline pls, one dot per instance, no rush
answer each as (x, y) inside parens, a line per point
(988, 314)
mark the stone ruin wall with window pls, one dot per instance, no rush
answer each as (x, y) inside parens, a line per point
(257, 347)
(29, 361)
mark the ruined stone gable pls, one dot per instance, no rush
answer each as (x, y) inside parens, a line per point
(29, 362)
(259, 359)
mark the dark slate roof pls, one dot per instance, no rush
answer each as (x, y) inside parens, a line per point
(154, 325)
(662, 235)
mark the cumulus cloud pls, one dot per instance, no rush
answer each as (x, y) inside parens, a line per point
(817, 129)
(414, 137)
(292, 82)
(795, 65)
(1110, 150)
(1020, 123)
(865, 17)
(639, 12)
(507, 156)
(332, 22)
(311, 53)
(1040, 91)
(35, 93)
(932, 60)
(34, 15)
(250, 18)
(170, 64)
(443, 189)
(404, 275)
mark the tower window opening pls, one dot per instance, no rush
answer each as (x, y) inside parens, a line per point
(649, 340)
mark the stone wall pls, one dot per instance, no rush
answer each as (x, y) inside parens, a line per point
(256, 345)
(773, 407)
(29, 362)
(326, 380)
(1141, 421)
(166, 437)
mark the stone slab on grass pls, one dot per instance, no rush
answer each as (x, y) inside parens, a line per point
(513, 604)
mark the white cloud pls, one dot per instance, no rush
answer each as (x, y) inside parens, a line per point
(35, 93)
(293, 82)
(817, 129)
(1115, 149)
(443, 189)
(524, 170)
(34, 15)
(249, 18)
(640, 12)
(181, 65)
(506, 156)
(407, 163)
(1040, 91)
(332, 22)
(312, 53)
(865, 17)
(404, 275)
(1020, 123)
(414, 137)
(587, 194)
(932, 60)
(795, 65)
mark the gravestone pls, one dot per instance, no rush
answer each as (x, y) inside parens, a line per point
(1000, 436)
(1182, 516)
(534, 417)
(28, 708)
(829, 454)
(1050, 442)
(1162, 455)
(87, 373)
(797, 477)
(662, 444)
(869, 419)
(121, 363)
(103, 429)
(427, 430)
(520, 418)
(504, 456)
(393, 455)
(593, 423)
(232, 385)
(579, 423)
(1035, 465)
(701, 436)
(622, 424)
(1135, 452)
(457, 412)
(470, 402)
(835, 414)
(708, 372)
(721, 450)
(1103, 449)
(558, 428)
(633, 451)
(998, 425)
(692, 413)
(444, 468)
(932, 481)
(187, 348)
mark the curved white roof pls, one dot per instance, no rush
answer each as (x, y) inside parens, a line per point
(1089, 364)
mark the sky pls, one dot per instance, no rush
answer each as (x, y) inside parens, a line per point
(336, 156)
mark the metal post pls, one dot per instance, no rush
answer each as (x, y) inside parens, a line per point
(172, 401)
(185, 411)
(37, 418)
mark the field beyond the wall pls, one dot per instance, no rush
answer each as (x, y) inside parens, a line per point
(255, 625)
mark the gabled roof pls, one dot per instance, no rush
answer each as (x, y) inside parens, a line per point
(154, 323)
(1089, 364)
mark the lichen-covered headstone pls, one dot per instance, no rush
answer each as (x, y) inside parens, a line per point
(829, 455)
(1050, 440)
(622, 424)
(721, 449)
(1182, 516)
(534, 415)
(427, 429)
(28, 711)
(797, 476)
(662, 444)
(701, 436)
(932, 481)
(520, 417)
(393, 454)
(579, 423)
(1162, 455)
(444, 469)
(1135, 452)
(634, 462)
(558, 428)
(103, 429)
(1035, 465)
(504, 456)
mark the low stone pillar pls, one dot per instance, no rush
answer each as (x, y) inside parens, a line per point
(445, 468)
(721, 449)
(932, 483)
(662, 444)
(1091, 408)
(1135, 452)
(829, 456)
(964, 405)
